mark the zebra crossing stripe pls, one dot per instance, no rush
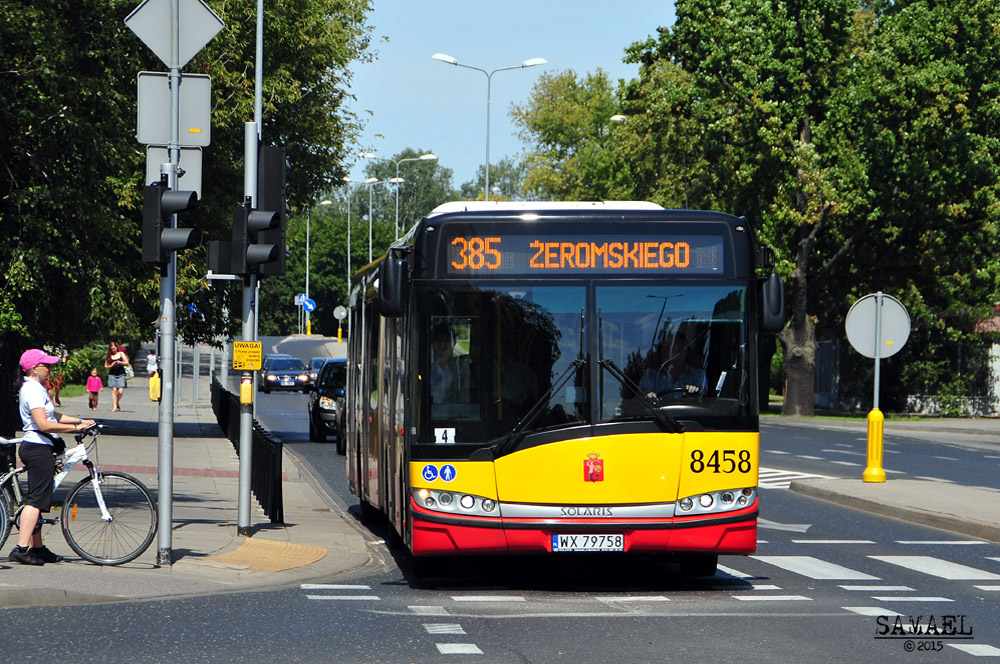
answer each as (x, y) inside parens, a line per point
(458, 649)
(773, 478)
(429, 610)
(444, 628)
(870, 611)
(940, 568)
(976, 649)
(814, 568)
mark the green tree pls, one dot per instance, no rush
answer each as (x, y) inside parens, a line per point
(567, 122)
(506, 181)
(71, 172)
(858, 140)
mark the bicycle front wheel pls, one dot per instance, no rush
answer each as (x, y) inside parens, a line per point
(130, 530)
(6, 513)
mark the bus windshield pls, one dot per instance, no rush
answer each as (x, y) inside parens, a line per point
(564, 354)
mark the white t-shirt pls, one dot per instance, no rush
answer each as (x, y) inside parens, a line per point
(34, 395)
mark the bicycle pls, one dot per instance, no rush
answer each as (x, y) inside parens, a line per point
(108, 518)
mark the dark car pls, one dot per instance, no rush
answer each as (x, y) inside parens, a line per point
(315, 365)
(284, 373)
(326, 403)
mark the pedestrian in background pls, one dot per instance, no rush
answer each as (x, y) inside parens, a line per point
(152, 366)
(41, 424)
(55, 382)
(115, 362)
(94, 387)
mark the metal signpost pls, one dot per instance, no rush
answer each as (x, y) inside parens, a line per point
(877, 326)
(175, 30)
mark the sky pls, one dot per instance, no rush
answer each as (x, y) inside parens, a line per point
(412, 101)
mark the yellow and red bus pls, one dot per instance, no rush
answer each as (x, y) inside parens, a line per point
(548, 378)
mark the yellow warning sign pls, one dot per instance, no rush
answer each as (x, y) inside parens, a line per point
(247, 355)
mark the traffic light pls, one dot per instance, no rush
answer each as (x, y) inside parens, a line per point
(159, 240)
(250, 252)
(272, 170)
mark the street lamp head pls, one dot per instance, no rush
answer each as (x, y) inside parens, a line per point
(325, 202)
(534, 62)
(617, 117)
(371, 180)
(430, 156)
(368, 155)
(396, 180)
(346, 178)
(445, 58)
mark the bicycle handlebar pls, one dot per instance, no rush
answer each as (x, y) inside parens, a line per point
(92, 430)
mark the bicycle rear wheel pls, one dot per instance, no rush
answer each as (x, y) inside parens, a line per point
(126, 536)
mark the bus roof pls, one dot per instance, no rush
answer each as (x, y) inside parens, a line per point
(541, 206)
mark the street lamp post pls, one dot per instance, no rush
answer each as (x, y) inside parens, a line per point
(370, 183)
(531, 62)
(309, 322)
(429, 156)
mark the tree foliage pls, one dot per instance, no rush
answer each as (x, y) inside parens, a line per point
(858, 138)
(71, 171)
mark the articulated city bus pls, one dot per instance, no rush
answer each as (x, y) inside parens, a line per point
(547, 378)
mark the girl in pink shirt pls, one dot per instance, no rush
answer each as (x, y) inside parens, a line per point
(95, 387)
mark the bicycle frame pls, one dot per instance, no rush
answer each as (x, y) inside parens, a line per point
(68, 460)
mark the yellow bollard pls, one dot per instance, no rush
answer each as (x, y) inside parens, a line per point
(340, 336)
(874, 471)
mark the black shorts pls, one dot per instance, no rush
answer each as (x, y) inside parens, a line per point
(41, 465)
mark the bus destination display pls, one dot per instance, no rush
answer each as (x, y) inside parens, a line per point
(503, 255)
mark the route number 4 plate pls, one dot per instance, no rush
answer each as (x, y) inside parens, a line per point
(591, 542)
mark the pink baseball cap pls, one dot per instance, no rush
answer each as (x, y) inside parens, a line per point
(32, 358)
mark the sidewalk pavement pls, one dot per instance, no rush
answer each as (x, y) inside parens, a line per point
(317, 542)
(320, 541)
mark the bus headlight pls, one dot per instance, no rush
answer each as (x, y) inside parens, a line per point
(714, 502)
(455, 503)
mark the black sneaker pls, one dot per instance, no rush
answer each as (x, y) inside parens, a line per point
(46, 556)
(24, 556)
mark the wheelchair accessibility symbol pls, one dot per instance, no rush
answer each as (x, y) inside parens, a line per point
(430, 472)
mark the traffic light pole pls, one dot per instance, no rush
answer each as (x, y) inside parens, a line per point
(168, 294)
(249, 334)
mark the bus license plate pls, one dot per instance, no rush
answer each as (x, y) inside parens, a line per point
(589, 542)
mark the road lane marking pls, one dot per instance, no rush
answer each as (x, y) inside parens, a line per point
(774, 478)
(428, 610)
(870, 610)
(444, 628)
(992, 588)
(832, 541)
(880, 589)
(348, 598)
(940, 568)
(648, 598)
(458, 649)
(976, 649)
(910, 598)
(814, 568)
(332, 586)
(487, 598)
(771, 598)
(938, 542)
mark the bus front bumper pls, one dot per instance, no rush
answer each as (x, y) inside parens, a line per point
(438, 534)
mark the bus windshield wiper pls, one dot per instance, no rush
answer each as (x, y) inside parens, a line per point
(517, 433)
(663, 417)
